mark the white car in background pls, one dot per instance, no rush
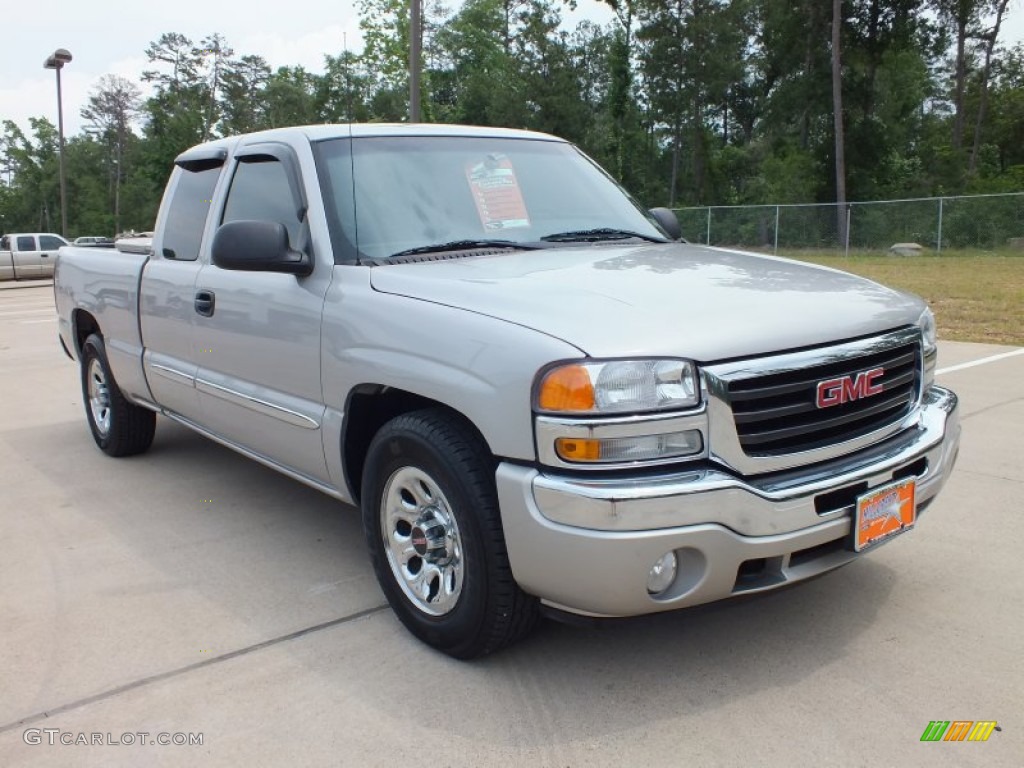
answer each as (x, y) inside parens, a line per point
(134, 242)
(26, 255)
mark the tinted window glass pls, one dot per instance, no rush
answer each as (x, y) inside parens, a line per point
(260, 192)
(50, 243)
(186, 216)
(5, 243)
(26, 243)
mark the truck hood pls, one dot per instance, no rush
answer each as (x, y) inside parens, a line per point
(674, 300)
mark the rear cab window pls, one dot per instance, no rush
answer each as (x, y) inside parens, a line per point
(189, 208)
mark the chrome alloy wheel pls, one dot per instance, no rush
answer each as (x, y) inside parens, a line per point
(421, 541)
(99, 397)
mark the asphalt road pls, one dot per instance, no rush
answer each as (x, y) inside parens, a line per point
(192, 591)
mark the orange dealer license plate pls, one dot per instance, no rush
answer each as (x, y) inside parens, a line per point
(883, 513)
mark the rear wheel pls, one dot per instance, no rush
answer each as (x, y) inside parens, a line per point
(431, 519)
(120, 428)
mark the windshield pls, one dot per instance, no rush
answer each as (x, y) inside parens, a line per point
(416, 192)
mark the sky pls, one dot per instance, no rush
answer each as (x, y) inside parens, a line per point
(110, 36)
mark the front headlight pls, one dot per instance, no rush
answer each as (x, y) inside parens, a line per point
(618, 386)
(928, 332)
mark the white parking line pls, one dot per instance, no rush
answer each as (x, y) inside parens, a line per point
(982, 361)
(44, 320)
(26, 312)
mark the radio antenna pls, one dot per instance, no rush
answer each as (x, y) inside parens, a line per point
(348, 79)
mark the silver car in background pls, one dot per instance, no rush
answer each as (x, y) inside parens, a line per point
(28, 255)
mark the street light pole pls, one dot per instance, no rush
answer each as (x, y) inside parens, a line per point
(415, 60)
(56, 61)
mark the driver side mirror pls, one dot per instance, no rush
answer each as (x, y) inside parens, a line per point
(258, 246)
(667, 220)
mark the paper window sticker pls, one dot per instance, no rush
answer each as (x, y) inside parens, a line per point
(499, 201)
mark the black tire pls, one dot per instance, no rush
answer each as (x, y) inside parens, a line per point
(122, 428)
(490, 610)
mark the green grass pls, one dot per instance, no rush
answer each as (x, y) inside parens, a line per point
(976, 295)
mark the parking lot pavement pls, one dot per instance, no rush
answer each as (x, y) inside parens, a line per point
(192, 591)
(8, 285)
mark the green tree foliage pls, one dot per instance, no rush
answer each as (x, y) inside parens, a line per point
(32, 196)
(1006, 120)
(176, 112)
(112, 106)
(684, 101)
(290, 98)
(241, 97)
(485, 86)
(690, 90)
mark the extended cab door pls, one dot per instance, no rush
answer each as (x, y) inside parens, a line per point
(26, 256)
(167, 294)
(49, 246)
(258, 332)
(6, 259)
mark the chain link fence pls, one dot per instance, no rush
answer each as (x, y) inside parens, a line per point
(986, 222)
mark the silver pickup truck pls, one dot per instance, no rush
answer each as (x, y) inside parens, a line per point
(539, 398)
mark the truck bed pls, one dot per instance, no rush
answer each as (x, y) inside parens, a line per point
(102, 283)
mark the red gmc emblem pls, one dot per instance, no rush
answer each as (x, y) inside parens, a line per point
(847, 388)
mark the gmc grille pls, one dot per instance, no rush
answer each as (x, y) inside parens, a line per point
(778, 413)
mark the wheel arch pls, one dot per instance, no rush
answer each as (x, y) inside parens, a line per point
(368, 408)
(83, 325)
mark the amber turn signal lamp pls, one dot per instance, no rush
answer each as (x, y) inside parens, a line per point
(575, 449)
(567, 389)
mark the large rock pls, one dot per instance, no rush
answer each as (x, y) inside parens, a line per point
(906, 249)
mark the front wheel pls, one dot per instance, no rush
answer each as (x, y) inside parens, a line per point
(432, 525)
(120, 428)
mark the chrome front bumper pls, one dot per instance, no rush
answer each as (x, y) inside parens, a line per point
(587, 545)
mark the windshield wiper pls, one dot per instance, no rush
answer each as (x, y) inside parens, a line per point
(596, 235)
(464, 245)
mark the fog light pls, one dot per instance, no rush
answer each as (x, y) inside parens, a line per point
(662, 574)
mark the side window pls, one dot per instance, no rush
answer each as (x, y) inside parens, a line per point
(187, 212)
(5, 243)
(334, 169)
(50, 243)
(260, 192)
(26, 243)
